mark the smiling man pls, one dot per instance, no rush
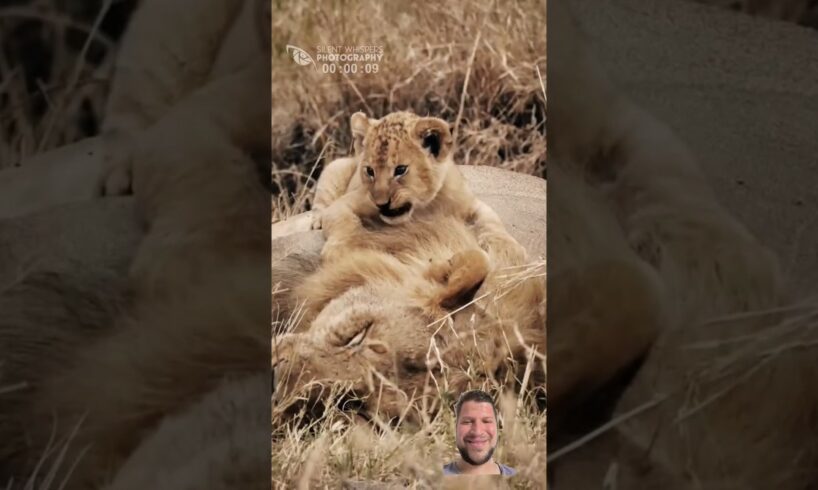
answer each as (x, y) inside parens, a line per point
(476, 437)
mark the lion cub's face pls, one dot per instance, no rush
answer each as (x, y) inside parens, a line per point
(403, 160)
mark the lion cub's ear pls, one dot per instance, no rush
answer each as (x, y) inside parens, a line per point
(359, 124)
(435, 136)
(460, 278)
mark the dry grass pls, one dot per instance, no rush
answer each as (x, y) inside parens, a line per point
(56, 62)
(748, 343)
(474, 64)
(707, 386)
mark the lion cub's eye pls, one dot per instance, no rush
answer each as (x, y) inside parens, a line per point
(400, 170)
(370, 172)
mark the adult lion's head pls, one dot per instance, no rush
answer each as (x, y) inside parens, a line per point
(386, 347)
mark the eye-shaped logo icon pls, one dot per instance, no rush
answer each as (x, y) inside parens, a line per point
(300, 56)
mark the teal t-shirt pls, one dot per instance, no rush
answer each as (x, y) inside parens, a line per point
(451, 469)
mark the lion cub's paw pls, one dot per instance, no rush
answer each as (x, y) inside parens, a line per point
(317, 219)
(462, 275)
(116, 177)
(481, 214)
(338, 219)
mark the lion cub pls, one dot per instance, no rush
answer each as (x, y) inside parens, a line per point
(402, 167)
(402, 171)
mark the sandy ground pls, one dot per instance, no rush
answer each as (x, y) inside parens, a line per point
(742, 92)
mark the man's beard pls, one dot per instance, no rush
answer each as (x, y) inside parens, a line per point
(465, 455)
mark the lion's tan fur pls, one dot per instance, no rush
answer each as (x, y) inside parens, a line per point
(418, 243)
(396, 282)
(399, 308)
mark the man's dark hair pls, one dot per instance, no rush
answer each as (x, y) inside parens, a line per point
(474, 396)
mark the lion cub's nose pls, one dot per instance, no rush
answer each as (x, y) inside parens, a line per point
(385, 206)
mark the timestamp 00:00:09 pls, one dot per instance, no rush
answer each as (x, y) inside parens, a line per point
(349, 68)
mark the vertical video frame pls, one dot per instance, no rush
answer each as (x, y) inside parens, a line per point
(408, 243)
